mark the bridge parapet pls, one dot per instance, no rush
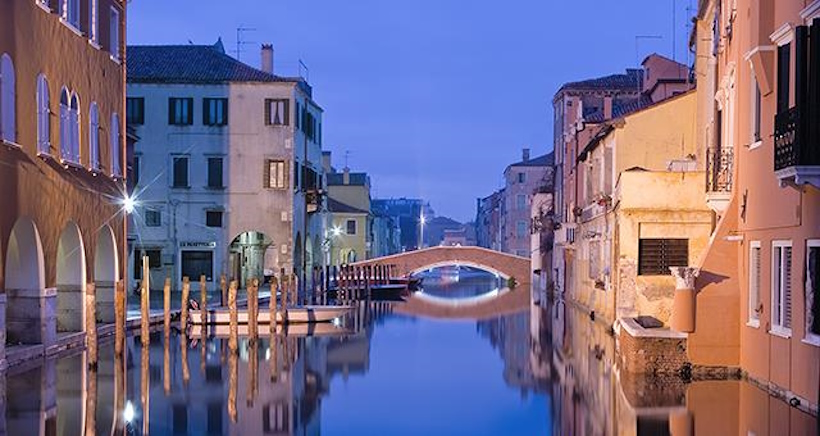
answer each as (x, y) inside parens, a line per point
(504, 264)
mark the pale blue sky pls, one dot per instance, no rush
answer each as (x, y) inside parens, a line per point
(432, 97)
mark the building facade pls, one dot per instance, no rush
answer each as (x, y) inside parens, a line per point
(521, 181)
(488, 221)
(228, 166)
(407, 212)
(62, 151)
(757, 64)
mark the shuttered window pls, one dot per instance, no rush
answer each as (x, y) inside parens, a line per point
(277, 112)
(783, 76)
(275, 174)
(781, 287)
(215, 173)
(180, 176)
(215, 111)
(754, 284)
(180, 111)
(813, 291)
(135, 111)
(655, 256)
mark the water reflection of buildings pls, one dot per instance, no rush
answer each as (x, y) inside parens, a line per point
(590, 396)
(510, 336)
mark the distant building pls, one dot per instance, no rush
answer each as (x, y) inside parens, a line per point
(436, 227)
(386, 235)
(408, 212)
(488, 221)
(455, 238)
(228, 166)
(350, 231)
(521, 180)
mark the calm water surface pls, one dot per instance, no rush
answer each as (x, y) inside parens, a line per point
(391, 371)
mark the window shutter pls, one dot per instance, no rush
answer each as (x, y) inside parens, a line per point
(266, 172)
(267, 111)
(225, 111)
(787, 287)
(205, 111)
(298, 118)
(190, 110)
(286, 116)
(170, 111)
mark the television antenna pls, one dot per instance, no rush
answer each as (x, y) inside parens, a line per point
(240, 42)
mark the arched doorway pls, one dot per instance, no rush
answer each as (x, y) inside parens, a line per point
(298, 254)
(251, 256)
(70, 280)
(106, 274)
(25, 287)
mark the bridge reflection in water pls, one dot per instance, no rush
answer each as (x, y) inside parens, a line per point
(547, 368)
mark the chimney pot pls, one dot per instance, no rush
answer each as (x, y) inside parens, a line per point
(267, 58)
(346, 176)
(526, 154)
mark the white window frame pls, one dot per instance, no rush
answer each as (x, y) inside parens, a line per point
(755, 108)
(94, 23)
(94, 137)
(70, 14)
(114, 37)
(74, 123)
(778, 329)
(754, 285)
(8, 109)
(809, 338)
(65, 123)
(43, 117)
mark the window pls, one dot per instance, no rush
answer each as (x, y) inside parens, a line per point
(215, 111)
(115, 143)
(8, 125)
(755, 307)
(198, 263)
(351, 227)
(114, 36)
(74, 117)
(521, 201)
(180, 165)
(69, 127)
(655, 256)
(180, 111)
(135, 171)
(213, 218)
(783, 76)
(93, 137)
(43, 116)
(756, 109)
(215, 172)
(153, 218)
(781, 288)
(813, 291)
(522, 177)
(275, 174)
(93, 21)
(277, 112)
(70, 12)
(154, 260)
(520, 229)
(134, 111)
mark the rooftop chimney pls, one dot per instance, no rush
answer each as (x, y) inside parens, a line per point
(326, 162)
(526, 154)
(267, 58)
(346, 176)
(607, 107)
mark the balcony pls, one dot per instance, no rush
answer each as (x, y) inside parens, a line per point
(719, 178)
(796, 157)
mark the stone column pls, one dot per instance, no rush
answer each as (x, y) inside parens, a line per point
(32, 318)
(105, 302)
(683, 306)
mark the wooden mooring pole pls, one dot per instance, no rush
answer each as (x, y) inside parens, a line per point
(145, 304)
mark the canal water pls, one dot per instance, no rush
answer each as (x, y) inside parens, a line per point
(395, 368)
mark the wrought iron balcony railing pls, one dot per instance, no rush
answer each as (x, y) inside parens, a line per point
(720, 169)
(787, 143)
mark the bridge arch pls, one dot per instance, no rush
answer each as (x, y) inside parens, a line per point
(504, 264)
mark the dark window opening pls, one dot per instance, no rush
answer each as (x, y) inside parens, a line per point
(198, 263)
(154, 260)
(135, 110)
(180, 172)
(215, 111)
(215, 172)
(655, 256)
(153, 218)
(351, 227)
(783, 77)
(213, 218)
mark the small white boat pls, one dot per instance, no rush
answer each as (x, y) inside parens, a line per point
(292, 330)
(299, 314)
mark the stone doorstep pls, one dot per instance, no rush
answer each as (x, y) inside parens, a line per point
(784, 395)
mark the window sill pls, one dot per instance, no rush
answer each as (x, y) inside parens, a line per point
(811, 340)
(72, 27)
(70, 164)
(781, 332)
(11, 144)
(94, 44)
(756, 144)
(115, 59)
(753, 323)
(181, 188)
(43, 6)
(215, 188)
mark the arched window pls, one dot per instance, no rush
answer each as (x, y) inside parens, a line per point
(65, 124)
(8, 131)
(43, 116)
(74, 115)
(116, 159)
(93, 137)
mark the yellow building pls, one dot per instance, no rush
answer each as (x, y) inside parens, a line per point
(640, 210)
(349, 226)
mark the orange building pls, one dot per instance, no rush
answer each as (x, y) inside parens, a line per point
(62, 161)
(758, 292)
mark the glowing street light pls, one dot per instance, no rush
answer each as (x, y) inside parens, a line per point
(336, 230)
(128, 413)
(423, 221)
(129, 203)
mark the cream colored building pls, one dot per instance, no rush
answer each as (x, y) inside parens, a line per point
(349, 233)
(640, 210)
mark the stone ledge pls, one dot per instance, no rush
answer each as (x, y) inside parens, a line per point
(637, 331)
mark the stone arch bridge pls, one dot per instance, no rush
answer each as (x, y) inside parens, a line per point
(412, 262)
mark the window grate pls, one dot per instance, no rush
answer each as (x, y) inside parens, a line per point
(656, 256)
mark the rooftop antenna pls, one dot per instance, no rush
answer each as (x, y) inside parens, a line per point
(637, 39)
(689, 29)
(347, 155)
(674, 25)
(304, 71)
(240, 33)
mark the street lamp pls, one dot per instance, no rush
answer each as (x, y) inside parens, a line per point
(422, 221)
